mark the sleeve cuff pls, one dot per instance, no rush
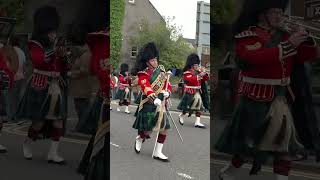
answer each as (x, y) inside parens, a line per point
(286, 49)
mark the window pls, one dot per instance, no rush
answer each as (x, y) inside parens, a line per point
(131, 1)
(206, 21)
(134, 52)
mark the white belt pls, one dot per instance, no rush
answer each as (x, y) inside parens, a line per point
(123, 84)
(282, 82)
(193, 87)
(47, 73)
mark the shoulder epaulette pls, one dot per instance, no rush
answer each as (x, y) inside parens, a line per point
(143, 72)
(186, 72)
(36, 43)
(247, 33)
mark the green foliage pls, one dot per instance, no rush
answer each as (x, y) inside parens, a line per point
(14, 9)
(116, 19)
(168, 38)
(223, 11)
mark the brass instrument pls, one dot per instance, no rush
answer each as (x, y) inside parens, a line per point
(292, 24)
(63, 48)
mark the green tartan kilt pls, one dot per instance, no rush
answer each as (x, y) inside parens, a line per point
(92, 117)
(97, 167)
(249, 122)
(121, 96)
(186, 103)
(35, 104)
(146, 118)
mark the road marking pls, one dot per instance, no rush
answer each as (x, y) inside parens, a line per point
(185, 175)
(270, 170)
(17, 131)
(116, 145)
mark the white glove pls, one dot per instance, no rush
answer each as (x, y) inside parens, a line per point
(166, 94)
(157, 102)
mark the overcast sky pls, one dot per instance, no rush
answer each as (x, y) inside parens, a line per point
(184, 11)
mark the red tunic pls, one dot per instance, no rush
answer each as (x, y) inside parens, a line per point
(45, 61)
(144, 82)
(268, 66)
(123, 82)
(4, 68)
(192, 81)
(99, 44)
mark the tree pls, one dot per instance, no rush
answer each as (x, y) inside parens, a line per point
(116, 19)
(172, 46)
(14, 9)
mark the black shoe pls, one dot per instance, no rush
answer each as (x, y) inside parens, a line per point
(163, 160)
(201, 127)
(59, 163)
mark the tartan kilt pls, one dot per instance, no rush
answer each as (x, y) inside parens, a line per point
(90, 123)
(186, 103)
(146, 118)
(95, 166)
(121, 96)
(35, 103)
(247, 130)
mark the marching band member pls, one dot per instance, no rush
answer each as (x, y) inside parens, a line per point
(124, 93)
(192, 100)
(155, 90)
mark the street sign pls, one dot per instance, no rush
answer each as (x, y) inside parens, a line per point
(312, 9)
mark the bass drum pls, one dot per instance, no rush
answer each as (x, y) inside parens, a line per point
(11, 58)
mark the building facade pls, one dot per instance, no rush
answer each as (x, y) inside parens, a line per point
(135, 12)
(203, 32)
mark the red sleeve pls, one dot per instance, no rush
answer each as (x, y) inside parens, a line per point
(121, 79)
(4, 68)
(170, 88)
(37, 55)
(143, 82)
(189, 77)
(205, 78)
(252, 51)
(306, 53)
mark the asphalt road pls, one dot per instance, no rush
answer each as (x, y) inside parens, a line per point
(190, 160)
(14, 167)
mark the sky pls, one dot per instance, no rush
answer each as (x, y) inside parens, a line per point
(184, 11)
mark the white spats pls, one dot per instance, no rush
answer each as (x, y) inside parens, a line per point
(27, 150)
(181, 120)
(198, 124)
(158, 153)
(227, 172)
(3, 149)
(127, 110)
(53, 156)
(138, 144)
